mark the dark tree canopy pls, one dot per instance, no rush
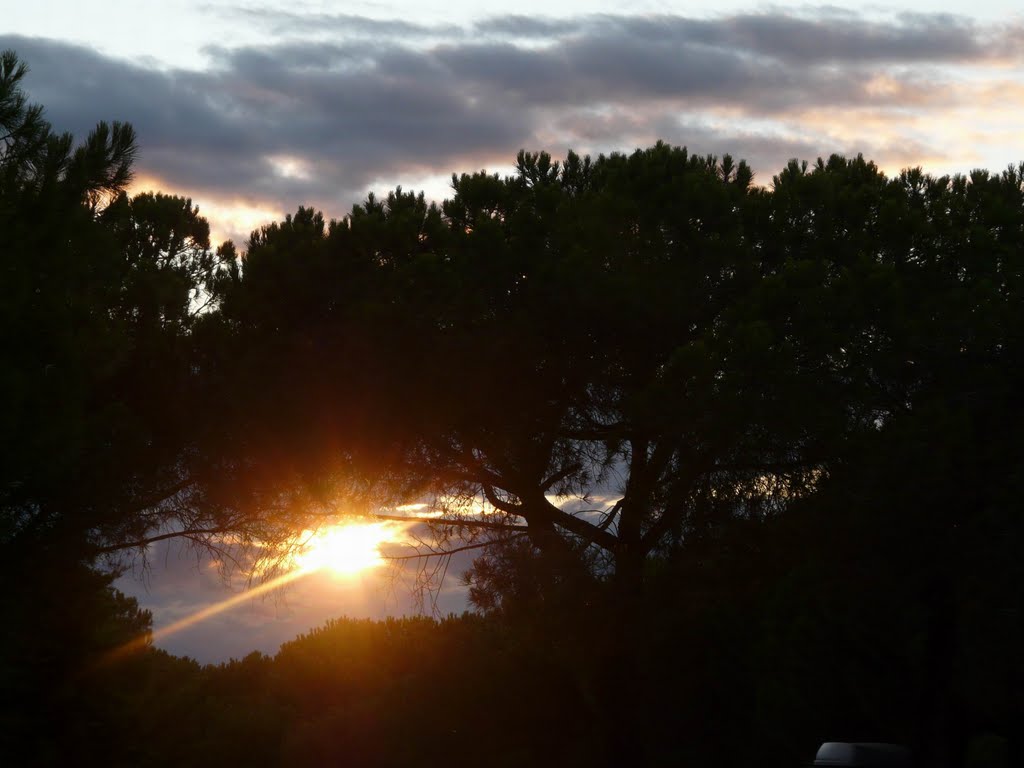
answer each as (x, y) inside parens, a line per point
(766, 402)
(102, 297)
(510, 346)
(651, 328)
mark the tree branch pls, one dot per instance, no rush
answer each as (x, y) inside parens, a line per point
(446, 552)
(188, 533)
(454, 523)
(545, 511)
(560, 476)
(494, 501)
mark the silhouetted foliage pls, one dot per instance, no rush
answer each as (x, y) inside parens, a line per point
(98, 389)
(459, 691)
(59, 702)
(783, 409)
(103, 296)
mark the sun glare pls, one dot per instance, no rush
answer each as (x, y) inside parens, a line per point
(345, 549)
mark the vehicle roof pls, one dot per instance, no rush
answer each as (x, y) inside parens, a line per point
(863, 755)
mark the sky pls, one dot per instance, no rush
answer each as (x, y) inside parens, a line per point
(177, 582)
(252, 109)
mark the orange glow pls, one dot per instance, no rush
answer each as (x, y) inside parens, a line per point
(231, 218)
(345, 549)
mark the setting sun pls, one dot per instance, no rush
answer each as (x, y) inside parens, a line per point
(345, 549)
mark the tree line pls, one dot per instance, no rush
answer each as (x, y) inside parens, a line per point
(740, 461)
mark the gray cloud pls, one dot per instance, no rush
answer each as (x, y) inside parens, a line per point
(818, 39)
(395, 98)
(820, 35)
(346, 24)
(215, 131)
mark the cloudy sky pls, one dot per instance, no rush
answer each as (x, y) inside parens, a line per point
(255, 108)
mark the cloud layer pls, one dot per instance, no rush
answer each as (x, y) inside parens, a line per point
(333, 105)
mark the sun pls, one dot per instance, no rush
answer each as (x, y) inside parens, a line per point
(344, 549)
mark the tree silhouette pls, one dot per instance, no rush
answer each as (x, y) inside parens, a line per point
(578, 330)
(103, 294)
(723, 380)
